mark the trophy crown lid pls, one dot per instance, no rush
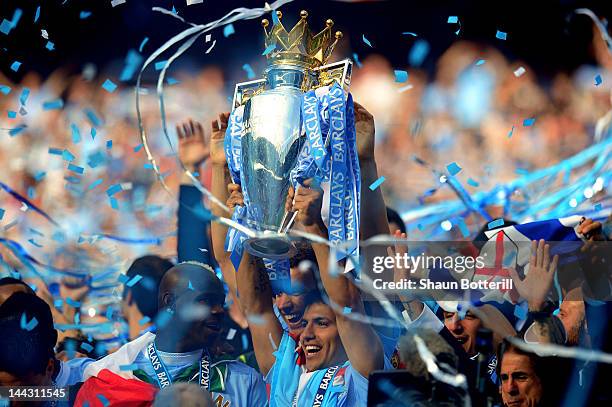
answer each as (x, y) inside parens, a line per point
(299, 46)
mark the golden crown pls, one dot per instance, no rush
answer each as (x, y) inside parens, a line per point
(299, 46)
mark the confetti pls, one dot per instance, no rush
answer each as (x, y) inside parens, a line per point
(73, 303)
(142, 44)
(5, 89)
(84, 14)
(28, 326)
(363, 37)
(347, 310)
(598, 80)
(520, 71)
(96, 159)
(55, 151)
(418, 52)
(409, 33)
(480, 62)
(511, 131)
(134, 280)
(473, 183)
(76, 134)
(501, 35)
(76, 168)
(24, 96)
(129, 367)
(144, 320)
(245, 342)
(228, 30)
(137, 148)
(377, 183)
(109, 144)
(160, 65)
(101, 397)
(231, 334)
(192, 2)
(452, 20)
(172, 81)
(86, 347)
(269, 49)
(465, 232)
(11, 114)
(597, 207)
(247, 68)
(53, 104)
(6, 26)
(113, 189)
(37, 15)
(211, 47)
(109, 86)
(2, 211)
(67, 155)
(93, 118)
(117, 2)
(356, 59)
(453, 169)
(495, 224)
(529, 122)
(401, 76)
(17, 130)
(15, 66)
(133, 61)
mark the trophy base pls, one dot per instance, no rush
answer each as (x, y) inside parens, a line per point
(274, 248)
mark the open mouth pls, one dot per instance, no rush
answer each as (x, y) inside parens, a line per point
(461, 339)
(311, 350)
(293, 318)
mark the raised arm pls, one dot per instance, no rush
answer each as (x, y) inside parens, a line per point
(255, 295)
(360, 341)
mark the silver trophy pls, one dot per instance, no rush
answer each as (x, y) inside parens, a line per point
(273, 132)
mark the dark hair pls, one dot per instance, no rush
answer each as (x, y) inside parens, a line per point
(12, 281)
(304, 252)
(144, 293)
(409, 353)
(26, 350)
(394, 217)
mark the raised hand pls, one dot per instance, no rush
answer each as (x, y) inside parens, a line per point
(307, 201)
(235, 198)
(537, 283)
(364, 129)
(192, 148)
(217, 152)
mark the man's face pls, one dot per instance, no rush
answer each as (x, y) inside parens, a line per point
(44, 379)
(291, 304)
(520, 387)
(571, 314)
(464, 330)
(320, 340)
(205, 313)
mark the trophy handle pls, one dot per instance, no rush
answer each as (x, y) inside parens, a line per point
(246, 90)
(340, 72)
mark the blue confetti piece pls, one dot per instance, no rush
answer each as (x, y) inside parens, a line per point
(95, 184)
(377, 183)
(96, 159)
(123, 278)
(55, 151)
(5, 89)
(133, 61)
(84, 14)
(368, 43)
(67, 155)
(15, 66)
(401, 76)
(228, 30)
(172, 81)
(130, 367)
(86, 347)
(50, 46)
(356, 59)
(269, 49)
(452, 20)
(501, 35)
(28, 326)
(144, 320)
(134, 280)
(58, 303)
(73, 303)
(2, 211)
(520, 311)
(15, 131)
(103, 400)
(190, 286)
(109, 86)
(39, 175)
(37, 15)
(148, 166)
(137, 148)
(528, 122)
(6, 26)
(598, 80)
(113, 189)
(72, 180)
(480, 62)
(11, 114)
(160, 65)
(409, 33)
(247, 68)
(113, 203)
(77, 318)
(245, 342)
(495, 224)
(142, 44)
(597, 207)
(33, 243)
(473, 183)
(453, 169)
(347, 310)
(93, 118)
(76, 168)
(25, 93)
(275, 19)
(511, 131)
(53, 104)
(418, 52)
(93, 133)
(76, 134)
(162, 319)
(465, 232)
(109, 144)
(109, 313)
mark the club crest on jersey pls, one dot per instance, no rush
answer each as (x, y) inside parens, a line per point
(339, 377)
